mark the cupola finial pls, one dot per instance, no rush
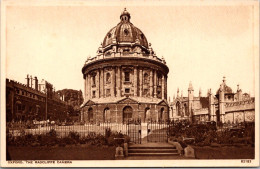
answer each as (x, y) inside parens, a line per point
(224, 79)
(125, 16)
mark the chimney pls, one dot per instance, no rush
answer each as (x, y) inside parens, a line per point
(31, 81)
(28, 80)
(36, 83)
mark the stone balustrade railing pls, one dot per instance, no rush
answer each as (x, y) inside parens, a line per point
(124, 54)
(240, 103)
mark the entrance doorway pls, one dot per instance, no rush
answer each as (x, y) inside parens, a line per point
(127, 114)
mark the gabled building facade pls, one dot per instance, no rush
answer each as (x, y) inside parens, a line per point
(225, 106)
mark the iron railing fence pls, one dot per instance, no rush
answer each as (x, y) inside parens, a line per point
(63, 130)
(159, 131)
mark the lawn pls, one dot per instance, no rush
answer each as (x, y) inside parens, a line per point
(62, 153)
(91, 152)
(226, 152)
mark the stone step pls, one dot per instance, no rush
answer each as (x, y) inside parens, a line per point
(152, 150)
(153, 154)
(150, 147)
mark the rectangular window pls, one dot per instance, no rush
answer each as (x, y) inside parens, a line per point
(159, 94)
(94, 80)
(145, 92)
(127, 76)
(93, 94)
(127, 90)
(108, 93)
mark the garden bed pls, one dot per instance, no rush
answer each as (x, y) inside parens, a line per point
(224, 152)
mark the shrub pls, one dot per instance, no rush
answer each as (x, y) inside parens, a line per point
(100, 140)
(126, 139)
(52, 133)
(61, 142)
(68, 140)
(74, 136)
(111, 141)
(108, 132)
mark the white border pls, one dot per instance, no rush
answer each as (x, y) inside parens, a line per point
(130, 163)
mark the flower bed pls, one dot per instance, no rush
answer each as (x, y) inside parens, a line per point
(73, 138)
(204, 135)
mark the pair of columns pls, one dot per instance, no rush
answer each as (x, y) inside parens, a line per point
(116, 83)
(98, 82)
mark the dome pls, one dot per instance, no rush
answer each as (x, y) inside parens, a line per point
(226, 88)
(125, 32)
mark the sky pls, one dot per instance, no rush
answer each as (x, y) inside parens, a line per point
(200, 43)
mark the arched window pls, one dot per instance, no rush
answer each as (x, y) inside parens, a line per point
(126, 32)
(218, 116)
(108, 78)
(146, 78)
(107, 115)
(127, 113)
(178, 108)
(109, 35)
(161, 114)
(90, 114)
(186, 110)
(147, 115)
(94, 80)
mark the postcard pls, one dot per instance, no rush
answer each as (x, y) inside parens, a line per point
(129, 83)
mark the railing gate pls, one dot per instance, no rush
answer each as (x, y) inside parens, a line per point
(134, 131)
(158, 131)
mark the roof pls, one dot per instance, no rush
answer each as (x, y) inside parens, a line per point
(226, 88)
(109, 100)
(125, 32)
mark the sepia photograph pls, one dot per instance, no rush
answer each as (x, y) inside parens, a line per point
(129, 83)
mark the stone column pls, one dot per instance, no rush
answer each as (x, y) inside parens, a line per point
(101, 82)
(156, 113)
(118, 82)
(85, 88)
(141, 82)
(89, 86)
(163, 97)
(135, 81)
(97, 76)
(155, 84)
(116, 113)
(151, 83)
(165, 86)
(113, 82)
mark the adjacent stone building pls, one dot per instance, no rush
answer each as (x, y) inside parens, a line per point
(225, 106)
(126, 80)
(33, 101)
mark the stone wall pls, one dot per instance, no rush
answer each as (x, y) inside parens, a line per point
(240, 106)
(240, 116)
(116, 112)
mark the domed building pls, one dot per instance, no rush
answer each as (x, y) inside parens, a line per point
(125, 80)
